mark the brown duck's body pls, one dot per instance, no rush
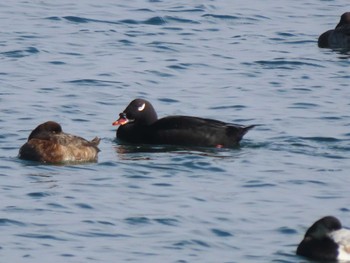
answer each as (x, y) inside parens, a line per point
(49, 144)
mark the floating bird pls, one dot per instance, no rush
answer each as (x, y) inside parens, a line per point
(338, 37)
(47, 143)
(139, 124)
(326, 240)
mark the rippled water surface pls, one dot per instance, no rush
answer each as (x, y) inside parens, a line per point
(248, 62)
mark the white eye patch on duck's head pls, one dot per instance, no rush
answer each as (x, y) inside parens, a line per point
(142, 107)
(139, 111)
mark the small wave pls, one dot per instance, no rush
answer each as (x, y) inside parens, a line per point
(55, 62)
(284, 254)
(20, 53)
(108, 163)
(97, 234)
(137, 177)
(285, 34)
(129, 21)
(320, 139)
(156, 21)
(93, 82)
(257, 184)
(162, 45)
(84, 206)
(333, 118)
(303, 182)
(126, 42)
(287, 230)
(180, 66)
(228, 107)
(71, 53)
(225, 17)
(144, 10)
(201, 165)
(300, 42)
(56, 206)
(139, 220)
(221, 233)
(38, 194)
(40, 236)
(181, 20)
(162, 184)
(168, 100)
(53, 18)
(311, 146)
(77, 19)
(285, 64)
(232, 17)
(98, 222)
(183, 9)
(7, 222)
(167, 221)
(160, 74)
(189, 243)
(303, 105)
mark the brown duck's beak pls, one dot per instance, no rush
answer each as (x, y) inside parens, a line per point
(122, 120)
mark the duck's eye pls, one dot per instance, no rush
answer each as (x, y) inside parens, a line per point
(142, 107)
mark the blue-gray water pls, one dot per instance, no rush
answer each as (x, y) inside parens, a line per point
(249, 62)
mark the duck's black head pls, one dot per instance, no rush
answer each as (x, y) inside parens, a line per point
(49, 127)
(344, 20)
(323, 226)
(139, 111)
(319, 243)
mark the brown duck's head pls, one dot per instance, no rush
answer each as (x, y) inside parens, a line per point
(49, 127)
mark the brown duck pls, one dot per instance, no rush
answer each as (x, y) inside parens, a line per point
(47, 143)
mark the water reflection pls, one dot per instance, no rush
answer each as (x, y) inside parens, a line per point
(143, 152)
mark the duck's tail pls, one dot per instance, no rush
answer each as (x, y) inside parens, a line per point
(243, 130)
(95, 141)
(247, 128)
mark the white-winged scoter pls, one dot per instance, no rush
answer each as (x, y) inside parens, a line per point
(139, 124)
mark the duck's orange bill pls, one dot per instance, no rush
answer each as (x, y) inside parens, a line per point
(120, 121)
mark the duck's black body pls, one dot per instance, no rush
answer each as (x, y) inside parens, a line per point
(139, 124)
(47, 143)
(338, 37)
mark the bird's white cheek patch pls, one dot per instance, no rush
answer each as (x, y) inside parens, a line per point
(343, 253)
(347, 249)
(142, 107)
